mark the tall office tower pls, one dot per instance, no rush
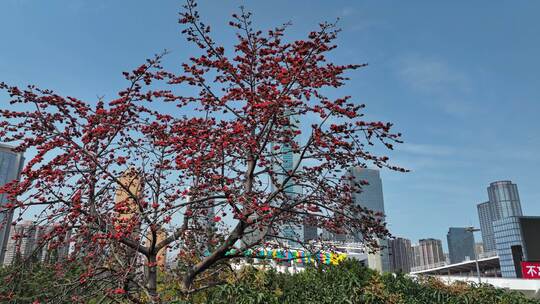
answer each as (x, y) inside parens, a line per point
(486, 225)
(11, 164)
(516, 239)
(504, 198)
(401, 254)
(371, 197)
(293, 233)
(460, 244)
(128, 191)
(429, 253)
(24, 242)
(503, 202)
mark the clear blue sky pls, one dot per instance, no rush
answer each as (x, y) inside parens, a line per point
(460, 80)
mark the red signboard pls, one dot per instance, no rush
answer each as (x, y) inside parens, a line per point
(530, 270)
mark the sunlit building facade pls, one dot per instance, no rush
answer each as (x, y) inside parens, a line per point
(503, 202)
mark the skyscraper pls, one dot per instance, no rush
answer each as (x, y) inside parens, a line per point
(371, 197)
(486, 225)
(516, 239)
(401, 254)
(293, 233)
(128, 192)
(460, 244)
(11, 164)
(503, 202)
(504, 199)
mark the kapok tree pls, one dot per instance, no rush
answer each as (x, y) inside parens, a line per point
(223, 154)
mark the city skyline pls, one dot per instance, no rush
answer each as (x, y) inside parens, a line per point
(451, 151)
(269, 151)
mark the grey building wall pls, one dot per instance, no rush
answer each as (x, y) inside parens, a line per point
(310, 232)
(371, 197)
(11, 164)
(460, 245)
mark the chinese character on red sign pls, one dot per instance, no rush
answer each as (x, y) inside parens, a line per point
(530, 270)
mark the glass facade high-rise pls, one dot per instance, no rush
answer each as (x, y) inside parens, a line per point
(516, 240)
(292, 233)
(504, 199)
(507, 234)
(460, 245)
(371, 197)
(11, 164)
(503, 202)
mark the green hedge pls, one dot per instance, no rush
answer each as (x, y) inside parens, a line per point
(349, 283)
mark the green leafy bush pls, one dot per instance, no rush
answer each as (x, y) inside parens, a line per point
(351, 283)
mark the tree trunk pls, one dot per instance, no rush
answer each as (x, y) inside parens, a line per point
(152, 276)
(187, 282)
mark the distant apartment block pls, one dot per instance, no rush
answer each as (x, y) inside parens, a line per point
(428, 254)
(27, 242)
(401, 254)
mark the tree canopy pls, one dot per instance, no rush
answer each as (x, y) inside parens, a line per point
(247, 136)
